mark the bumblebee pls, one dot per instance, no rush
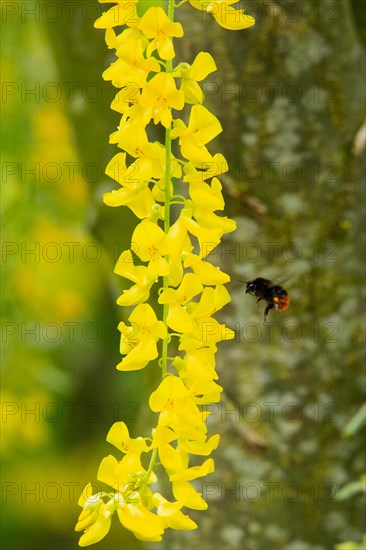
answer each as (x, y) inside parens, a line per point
(264, 289)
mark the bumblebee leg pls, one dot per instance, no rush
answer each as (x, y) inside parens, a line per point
(258, 300)
(266, 311)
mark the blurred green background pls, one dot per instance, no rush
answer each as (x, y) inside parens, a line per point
(290, 95)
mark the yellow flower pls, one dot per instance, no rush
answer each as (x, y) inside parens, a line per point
(124, 13)
(227, 17)
(124, 39)
(188, 496)
(207, 331)
(207, 273)
(197, 364)
(119, 436)
(212, 300)
(132, 70)
(150, 157)
(171, 514)
(206, 170)
(203, 127)
(162, 434)
(158, 189)
(144, 524)
(178, 319)
(134, 193)
(202, 66)
(205, 196)
(124, 475)
(140, 291)
(177, 409)
(138, 341)
(179, 246)
(205, 392)
(208, 239)
(156, 24)
(159, 96)
(171, 458)
(149, 243)
(189, 474)
(95, 518)
(200, 447)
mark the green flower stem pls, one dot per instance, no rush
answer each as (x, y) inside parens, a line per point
(167, 185)
(168, 199)
(152, 464)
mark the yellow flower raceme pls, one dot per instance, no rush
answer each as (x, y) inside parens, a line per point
(225, 16)
(172, 255)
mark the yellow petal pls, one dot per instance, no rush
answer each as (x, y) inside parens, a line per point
(232, 19)
(188, 496)
(124, 13)
(139, 356)
(179, 319)
(203, 65)
(196, 471)
(143, 523)
(98, 530)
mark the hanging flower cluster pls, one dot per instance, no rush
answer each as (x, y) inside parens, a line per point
(173, 256)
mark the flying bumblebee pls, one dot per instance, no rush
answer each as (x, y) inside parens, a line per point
(264, 289)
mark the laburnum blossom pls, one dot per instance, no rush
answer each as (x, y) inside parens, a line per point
(160, 95)
(202, 128)
(134, 192)
(95, 518)
(178, 319)
(226, 16)
(133, 69)
(123, 13)
(139, 274)
(177, 202)
(149, 156)
(139, 509)
(177, 409)
(150, 245)
(156, 24)
(190, 75)
(138, 340)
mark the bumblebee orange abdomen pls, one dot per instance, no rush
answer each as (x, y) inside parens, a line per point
(283, 303)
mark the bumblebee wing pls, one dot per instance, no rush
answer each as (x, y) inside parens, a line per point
(284, 278)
